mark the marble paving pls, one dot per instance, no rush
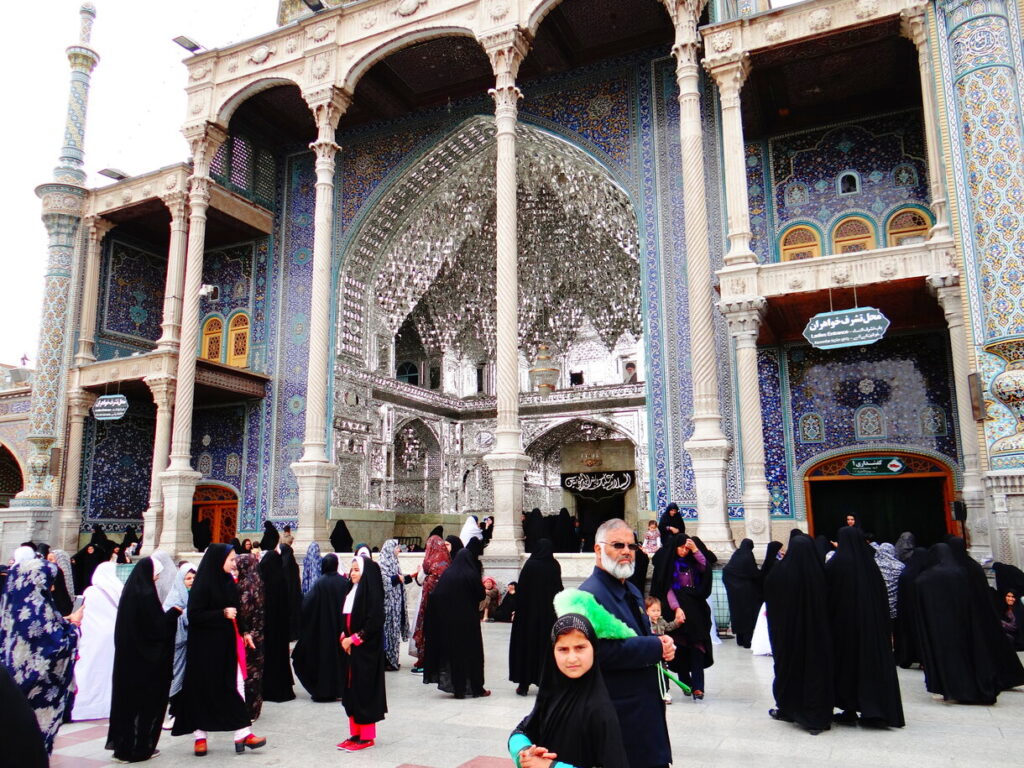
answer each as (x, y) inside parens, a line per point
(427, 729)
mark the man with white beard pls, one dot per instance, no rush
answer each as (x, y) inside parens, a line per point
(630, 666)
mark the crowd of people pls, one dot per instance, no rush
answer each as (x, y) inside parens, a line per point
(215, 641)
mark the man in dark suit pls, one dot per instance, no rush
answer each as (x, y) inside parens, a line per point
(630, 666)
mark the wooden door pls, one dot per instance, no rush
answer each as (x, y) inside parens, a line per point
(220, 506)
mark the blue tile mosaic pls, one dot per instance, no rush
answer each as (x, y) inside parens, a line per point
(131, 302)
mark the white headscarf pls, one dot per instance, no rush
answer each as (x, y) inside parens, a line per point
(350, 598)
(165, 574)
(470, 530)
(105, 580)
(23, 554)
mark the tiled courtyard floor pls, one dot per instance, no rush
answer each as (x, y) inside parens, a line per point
(729, 728)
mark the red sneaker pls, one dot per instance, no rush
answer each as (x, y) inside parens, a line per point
(252, 741)
(200, 748)
(346, 745)
(358, 745)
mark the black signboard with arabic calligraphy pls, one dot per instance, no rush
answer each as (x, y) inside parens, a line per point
(846, 328)
(599, 485)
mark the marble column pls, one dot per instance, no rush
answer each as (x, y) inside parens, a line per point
(63, 206)
(729, 74)
(946, 288)
(914, 26)
(97, 228)
(708, 446)
(174, 283)
(79, 403)
(314, 471)
(507, 461)
(179, 479)
(162, 388)
(744, 319)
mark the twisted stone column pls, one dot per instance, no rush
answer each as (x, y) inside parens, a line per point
(179, 480)
(79, 403)
(177, 204)
(946, 288)
(97, 229)
(729, 74)
(914, 26)
(744, 319)
(314, 471)
(162, 388)
(708, 446)
(507, 461)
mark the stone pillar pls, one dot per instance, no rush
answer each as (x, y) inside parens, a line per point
(63, 201)
(162, 388)
(97, 230)
(946, 288)
(79, 403)
(914, 26)
(729, 74)
(708, 446)
(314, 470)
(507, 461)
(179, 479)
(174, 284)
(744, 318)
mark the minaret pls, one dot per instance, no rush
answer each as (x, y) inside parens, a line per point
(63, 203)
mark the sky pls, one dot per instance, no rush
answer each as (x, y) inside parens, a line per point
(136, 109)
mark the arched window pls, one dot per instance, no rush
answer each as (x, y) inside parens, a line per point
(908, 227)
(408, 373)
(238, 341)
(799, 243)
(848, 183)
(213, 339)
(853, 234)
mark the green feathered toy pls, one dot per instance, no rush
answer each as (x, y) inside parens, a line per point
(606, 625)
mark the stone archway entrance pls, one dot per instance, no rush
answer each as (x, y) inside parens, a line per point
(218, 505)
(11, 481)
(889, 491)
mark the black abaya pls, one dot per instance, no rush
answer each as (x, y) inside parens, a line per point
(771, 557)
(293, 586)
(955, 656)
(83, 565)
(317, 657)
(904, 630)
(143, 655)
(23, 745)
(454, 545)
(364, 695)
(671, 518)
(62, 599)
(565, 534)
(865, 670)
(341, 539)
(454, 658)
(209, 698)
(277, 672)
(695, 631)
(534, 529)
(530, 641)
(639, 577)
(796, 600)
(271, 537)
(742, 581)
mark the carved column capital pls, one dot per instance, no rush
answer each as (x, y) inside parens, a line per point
(946, 290)
(177, 204)
(729, 74)
(204, 140)
(98, 228)
(744, 318)
(79, 403)
(914, 24)
(506, 50)
(163, 388)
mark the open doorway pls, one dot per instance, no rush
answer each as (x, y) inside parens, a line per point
(216, 506)
(915, 497)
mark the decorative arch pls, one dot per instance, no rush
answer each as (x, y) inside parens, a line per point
(918, 463)
(12, 475)
(908, 222)
(237, 339)
(217, 502)
(555, 431)
(801, 487)
(211, 338)
(402, 40)
(228, 107)
(854, 233)
(417, 468)
(800, 240)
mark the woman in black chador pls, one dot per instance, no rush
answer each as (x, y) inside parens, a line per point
(362, 645)
(293, 587)
(213, 694)
(143, 655)
(454, 659)
(529, 645)
(317, 656)
(956, 659)
(341, 539)
(742, 581)
(797, 604)
(277, 672)
(534, 529)
(904, 629)
(865, 670)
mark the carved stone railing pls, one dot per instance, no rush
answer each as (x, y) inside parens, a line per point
(840, 271)
(790, 23)
(135, 368)
(562, 399)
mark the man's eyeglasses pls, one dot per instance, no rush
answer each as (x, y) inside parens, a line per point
(620, 545)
